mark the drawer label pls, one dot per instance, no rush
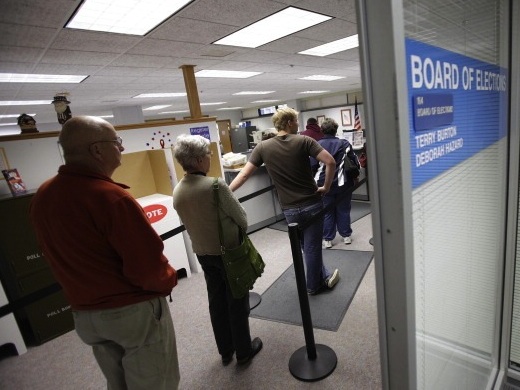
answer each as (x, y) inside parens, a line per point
(33, 256)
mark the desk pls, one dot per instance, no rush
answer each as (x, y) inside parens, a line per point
(262, 210)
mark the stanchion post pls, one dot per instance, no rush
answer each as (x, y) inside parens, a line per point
(312, 362)
(254, 299)
(301, 285)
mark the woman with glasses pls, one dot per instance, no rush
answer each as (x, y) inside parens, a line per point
(193, 199)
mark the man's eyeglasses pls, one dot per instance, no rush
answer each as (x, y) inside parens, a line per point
(118, 141)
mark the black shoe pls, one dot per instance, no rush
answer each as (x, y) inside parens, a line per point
(227, 358)
(256, 346)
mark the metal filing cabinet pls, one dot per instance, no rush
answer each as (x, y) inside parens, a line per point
(23, 270)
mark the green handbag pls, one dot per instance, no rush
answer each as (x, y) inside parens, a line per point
(243, 264)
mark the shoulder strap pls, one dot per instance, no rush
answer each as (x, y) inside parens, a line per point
(217, 203)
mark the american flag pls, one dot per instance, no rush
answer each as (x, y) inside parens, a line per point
(357, 121)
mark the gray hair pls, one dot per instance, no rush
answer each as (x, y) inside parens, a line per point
(282, 116)
(188, 148)
(329, 126)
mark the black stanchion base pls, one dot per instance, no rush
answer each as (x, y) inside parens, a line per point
(304, 369)
(254, 299)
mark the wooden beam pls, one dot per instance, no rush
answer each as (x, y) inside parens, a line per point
(191, 90)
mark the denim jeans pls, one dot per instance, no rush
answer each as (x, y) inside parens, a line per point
(339, 215)
(316, 272)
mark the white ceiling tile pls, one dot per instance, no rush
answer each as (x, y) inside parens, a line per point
(25, 36)
(161, 47)
(94, 41)
(74, 57)
(20, 54)
(182, 30)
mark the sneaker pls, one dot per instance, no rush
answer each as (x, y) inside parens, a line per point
(347, 240)
(316, 292)
(327, 244)
(333, 279)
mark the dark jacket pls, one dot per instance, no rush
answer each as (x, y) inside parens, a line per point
(337, 148)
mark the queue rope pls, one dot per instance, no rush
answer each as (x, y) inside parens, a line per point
(55, 287)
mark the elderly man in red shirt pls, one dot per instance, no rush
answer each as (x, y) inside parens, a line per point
(108, 259)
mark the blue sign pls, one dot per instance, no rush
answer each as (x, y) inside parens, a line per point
(432, 110)
(203, 131)
(458, 107)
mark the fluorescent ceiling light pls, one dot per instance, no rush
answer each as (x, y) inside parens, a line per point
(212, 104)
(105, 116)
(266, 101)
(159, 107)
(136, 17)
(174, 112)
(24, 102)
(8, 124)
(321, 77)
(254, 92)
(40, 78)
(229, 108)
(160, 95)
(276, 26)
(230, 74)
(14, 115)
(309, 92)
(333, 47)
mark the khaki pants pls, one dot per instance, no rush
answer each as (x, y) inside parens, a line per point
(134, 345)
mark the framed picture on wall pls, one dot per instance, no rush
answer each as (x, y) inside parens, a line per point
(346, 117)
(320, 119)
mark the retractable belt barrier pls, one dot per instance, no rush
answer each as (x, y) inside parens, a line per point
(350, 190)
(55, 287)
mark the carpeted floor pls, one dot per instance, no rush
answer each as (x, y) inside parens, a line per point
(66, 363)
(359, 210)
(280, 301)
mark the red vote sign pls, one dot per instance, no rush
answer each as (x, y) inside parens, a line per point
(155, 212)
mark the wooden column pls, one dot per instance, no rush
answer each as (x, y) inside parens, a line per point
(191, 90)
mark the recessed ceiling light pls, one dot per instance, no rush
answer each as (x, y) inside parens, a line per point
(24, 102)
(231, 74)
(159, 107)
(40, 78)
(8, 124)
(254, 92)
(136, 17)
(173, 112)
(283, 23)
(212, 104)
(309, 92)
(333, 47)
(266, 101)
(14, 115)
(321, 77)
(159, 95)
(105, 116)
